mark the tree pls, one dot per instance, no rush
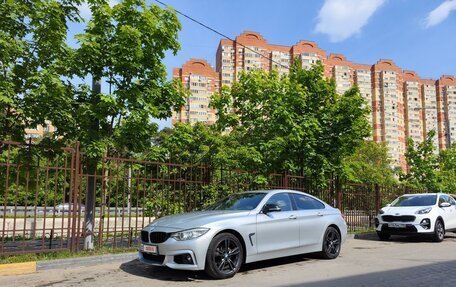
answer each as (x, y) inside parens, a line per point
(422, 163)
(447, 172)
(34, 58)
(297, 122)
(125, 46)
(370, 163)
(122, 45)
(189, 144)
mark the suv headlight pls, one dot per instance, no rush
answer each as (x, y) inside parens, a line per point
(381, 211)
(424, 211)
(189, 233)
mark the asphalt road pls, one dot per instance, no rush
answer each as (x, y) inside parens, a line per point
(363, 262)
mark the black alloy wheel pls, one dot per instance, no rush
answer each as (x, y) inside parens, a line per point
(439, 231)
(331, 243)
(224, 256)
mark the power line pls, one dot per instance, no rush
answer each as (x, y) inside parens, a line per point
(221, 34)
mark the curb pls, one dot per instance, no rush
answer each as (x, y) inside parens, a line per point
(17, 268)
(84, 261)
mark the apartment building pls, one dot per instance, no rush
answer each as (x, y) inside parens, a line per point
(402, 104)
(446, 103)
(40, 131)
(202, 81)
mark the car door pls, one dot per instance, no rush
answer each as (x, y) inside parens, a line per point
(278, 230)
(452, 220)
(448, 213)
(311, 218)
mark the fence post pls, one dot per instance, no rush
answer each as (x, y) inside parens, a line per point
(377, 197)
(285, 180)
(72, 210)
(339, 193)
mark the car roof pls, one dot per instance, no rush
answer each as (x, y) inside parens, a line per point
(429, 193)
(273, 191)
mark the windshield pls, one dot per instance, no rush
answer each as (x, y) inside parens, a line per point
(239, 201)
(415, 200)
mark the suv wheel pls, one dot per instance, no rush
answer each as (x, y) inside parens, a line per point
(439, 231)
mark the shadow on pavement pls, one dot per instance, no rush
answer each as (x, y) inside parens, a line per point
(135, 267)
(436, 274)
(372, 236)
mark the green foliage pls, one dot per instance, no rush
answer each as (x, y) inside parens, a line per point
(423, 164)
(370, 163)
(34, 59)
(295, 123)
(447, 172)
(121, 46)
(125, 46)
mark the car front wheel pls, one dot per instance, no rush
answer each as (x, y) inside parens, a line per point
(224, 256)
(439, 231)
(331, 243)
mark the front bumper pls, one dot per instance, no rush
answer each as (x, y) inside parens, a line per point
(415, 227)
(168, 250)
(168, 260)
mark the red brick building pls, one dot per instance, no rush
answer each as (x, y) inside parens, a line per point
(403, 105)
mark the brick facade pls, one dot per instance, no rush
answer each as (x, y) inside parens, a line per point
(403, 105)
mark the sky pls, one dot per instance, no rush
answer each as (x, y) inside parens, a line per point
(418, 35)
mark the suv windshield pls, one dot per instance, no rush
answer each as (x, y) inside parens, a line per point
(415, 200)
(239, 201)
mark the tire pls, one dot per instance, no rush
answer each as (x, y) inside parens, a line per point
(225, 256)
(383, 236)
(331, 244)
(439, 231)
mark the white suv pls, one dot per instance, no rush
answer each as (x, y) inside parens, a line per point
(417, 214)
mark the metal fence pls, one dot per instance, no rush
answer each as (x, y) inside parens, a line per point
(50, 202)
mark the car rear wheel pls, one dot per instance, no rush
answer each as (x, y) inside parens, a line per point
(331, 243)
(383, 236)
(439, 231)
(224, 256)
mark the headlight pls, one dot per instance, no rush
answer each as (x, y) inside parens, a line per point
(381, 211)
(189, 234)
(424, 211)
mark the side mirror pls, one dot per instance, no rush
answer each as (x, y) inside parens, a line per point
(444, 204)
(270, 207)
(388, 205)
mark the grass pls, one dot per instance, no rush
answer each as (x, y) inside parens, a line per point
(62, 255)
(362, 231)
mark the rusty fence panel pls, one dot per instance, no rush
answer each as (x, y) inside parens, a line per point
(129, 194)
(35, 184)
(44, 200)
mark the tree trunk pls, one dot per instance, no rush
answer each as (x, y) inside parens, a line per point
(91, 172)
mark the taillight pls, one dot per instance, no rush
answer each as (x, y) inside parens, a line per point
(343, 216)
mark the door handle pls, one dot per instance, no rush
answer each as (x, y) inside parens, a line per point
(292, 217)
(320, 214)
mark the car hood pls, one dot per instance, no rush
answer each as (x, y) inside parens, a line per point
(197, 219)
(402, 210)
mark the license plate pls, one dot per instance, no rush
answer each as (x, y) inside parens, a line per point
(149, 248)
(397, 225)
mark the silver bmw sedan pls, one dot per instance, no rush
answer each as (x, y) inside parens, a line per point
(243, 228)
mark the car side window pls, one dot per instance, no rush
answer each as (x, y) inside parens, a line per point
(304, 202)
(282, 200)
